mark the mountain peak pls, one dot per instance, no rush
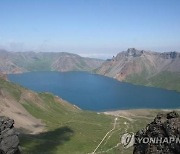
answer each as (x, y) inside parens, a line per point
(170, 55)
(131, 50)
(134, 52)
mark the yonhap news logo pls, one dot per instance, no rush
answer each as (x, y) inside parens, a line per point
(129, 139)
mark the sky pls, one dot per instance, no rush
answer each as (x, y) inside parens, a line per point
(93, 28)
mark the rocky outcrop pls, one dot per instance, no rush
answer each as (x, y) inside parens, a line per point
(170, 55)
(9, 141)
(165, 130)
(134, 52)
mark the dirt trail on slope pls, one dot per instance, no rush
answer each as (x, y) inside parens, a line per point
(114, 126)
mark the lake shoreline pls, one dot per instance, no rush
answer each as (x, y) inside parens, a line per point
(95, 92)
(91, 72)
(141, 113)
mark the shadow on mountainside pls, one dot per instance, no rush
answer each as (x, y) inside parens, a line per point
(46, 142)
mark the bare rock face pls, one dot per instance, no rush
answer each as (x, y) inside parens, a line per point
(134, 52)
(166, 130)
(170, 55)
(9, 141)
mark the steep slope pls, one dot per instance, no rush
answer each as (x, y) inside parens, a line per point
(13, 102)
(12, 98)
(68, 62)
(145, 68)
(7, 65)
(17, 62)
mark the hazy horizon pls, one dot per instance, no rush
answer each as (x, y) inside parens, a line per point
(92, 28)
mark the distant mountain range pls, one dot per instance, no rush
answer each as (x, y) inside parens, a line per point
(18, 62)
(133, 66)
(144, 68)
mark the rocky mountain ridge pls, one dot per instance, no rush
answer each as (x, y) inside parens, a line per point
(144, 67)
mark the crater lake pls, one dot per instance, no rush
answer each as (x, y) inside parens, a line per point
(97, 93)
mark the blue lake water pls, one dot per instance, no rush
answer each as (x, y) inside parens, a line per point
(97, 93)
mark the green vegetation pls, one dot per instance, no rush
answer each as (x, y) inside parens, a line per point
(166, 80)
(78, 131)
(39, 65)
(13, 89)
(71, 130)
(140, 78)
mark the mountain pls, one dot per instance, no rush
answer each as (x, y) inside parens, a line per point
(144, 68)
(17, 62)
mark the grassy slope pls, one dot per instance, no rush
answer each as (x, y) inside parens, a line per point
(34, 63)
(166, 80)
(80, 128)
(75, 131)
(39, 65)
(12, 89)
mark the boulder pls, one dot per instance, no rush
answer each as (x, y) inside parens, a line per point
(9, 141)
